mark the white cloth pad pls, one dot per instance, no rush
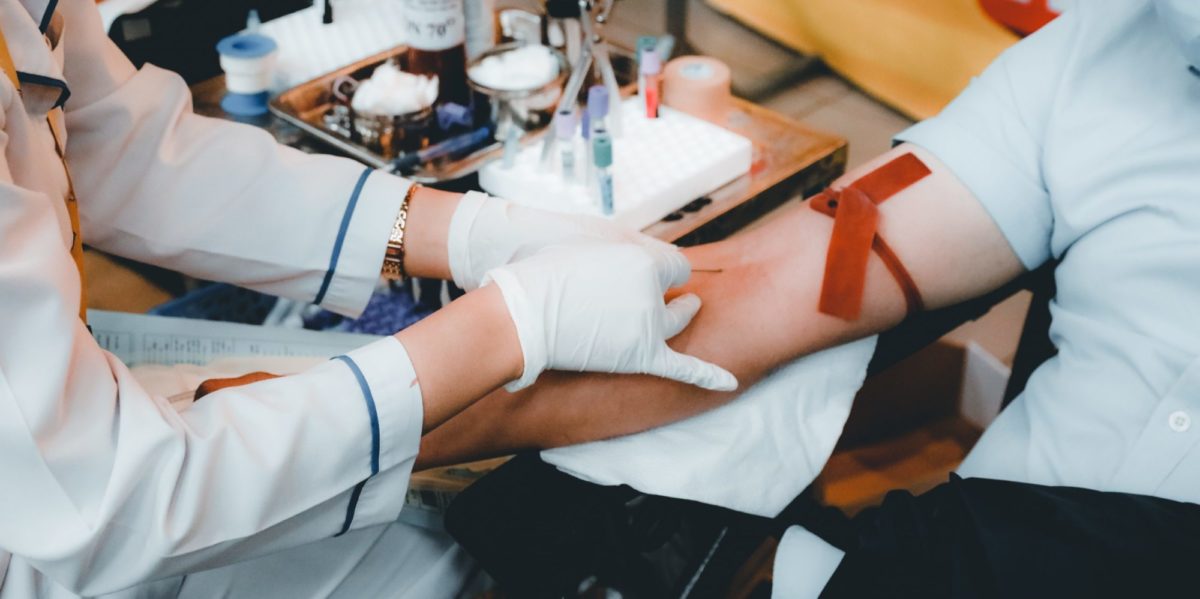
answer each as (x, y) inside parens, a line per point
(754, 454)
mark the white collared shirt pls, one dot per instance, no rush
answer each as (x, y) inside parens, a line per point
(1083, 143)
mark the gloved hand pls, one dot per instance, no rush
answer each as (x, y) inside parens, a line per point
(487, 232)
(599, 307)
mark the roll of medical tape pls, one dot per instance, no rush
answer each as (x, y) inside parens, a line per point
(699, 86)
(247, 60)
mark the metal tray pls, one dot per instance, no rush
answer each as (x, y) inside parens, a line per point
(305, 105)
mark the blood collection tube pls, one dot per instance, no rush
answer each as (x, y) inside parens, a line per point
(645, 42)
(597, 110)
(602, 156)
(651, 76)
(565, 130)
(597, 107)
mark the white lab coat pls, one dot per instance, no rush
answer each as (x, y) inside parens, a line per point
(103, 485)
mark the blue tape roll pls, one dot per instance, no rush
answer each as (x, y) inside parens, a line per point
(245, 104)
(246, 45)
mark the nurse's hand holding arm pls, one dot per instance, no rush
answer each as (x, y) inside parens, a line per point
(593, 307)
(462, 237)
(487, 232)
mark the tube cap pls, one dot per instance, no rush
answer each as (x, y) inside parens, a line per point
(564, 124)
(651, 64)
(602, 153)
(597, 105)
(645, 42)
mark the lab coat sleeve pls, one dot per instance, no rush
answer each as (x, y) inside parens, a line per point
(992, 135)
(105, 485)
(211, 198)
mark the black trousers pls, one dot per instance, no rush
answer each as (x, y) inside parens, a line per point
(989, 538)
(540, 532)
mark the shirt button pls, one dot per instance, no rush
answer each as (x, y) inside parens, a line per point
(1179, 421)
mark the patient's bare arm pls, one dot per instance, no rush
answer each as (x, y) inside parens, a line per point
(759, 312)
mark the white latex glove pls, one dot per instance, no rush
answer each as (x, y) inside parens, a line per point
(487, 232)
(599, 307)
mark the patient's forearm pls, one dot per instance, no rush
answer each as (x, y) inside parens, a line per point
(753, 318)
(759, 312)
(564, 408)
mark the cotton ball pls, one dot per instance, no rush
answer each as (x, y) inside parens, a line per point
(391, 91)
(525, 68)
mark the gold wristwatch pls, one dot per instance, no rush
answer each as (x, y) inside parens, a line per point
(393, 258)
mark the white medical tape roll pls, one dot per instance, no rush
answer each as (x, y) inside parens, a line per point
(699, 86)
(248, 61)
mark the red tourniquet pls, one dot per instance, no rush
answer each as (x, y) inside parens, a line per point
(855, 235)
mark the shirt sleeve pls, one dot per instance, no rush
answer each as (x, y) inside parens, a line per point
(991, 137)
(804, 563)
(106, 485)
(211, 198)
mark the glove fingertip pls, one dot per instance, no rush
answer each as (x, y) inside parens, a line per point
(723, 380)
(688, 302)
(675, 269)
(680, 312)
(694, 371)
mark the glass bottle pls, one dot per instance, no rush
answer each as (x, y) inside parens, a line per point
(435, 31)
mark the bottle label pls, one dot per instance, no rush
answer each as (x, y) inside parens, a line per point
(434, 25)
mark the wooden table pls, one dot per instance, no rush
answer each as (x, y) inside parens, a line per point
(789, 160)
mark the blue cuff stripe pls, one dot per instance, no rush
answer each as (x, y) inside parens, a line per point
(46, 16)
(370, 399)
(374, 415)
(341, 236)
(350, 508)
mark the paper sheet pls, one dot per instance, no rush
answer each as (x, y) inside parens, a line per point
(143, 339)
(170, 357)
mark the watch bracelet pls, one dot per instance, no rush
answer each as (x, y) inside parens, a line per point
(393, 258)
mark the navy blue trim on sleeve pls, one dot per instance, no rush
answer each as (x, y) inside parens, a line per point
(341, 235)
(374, 416)
(46, 16)
(350, 509)
(64, 92)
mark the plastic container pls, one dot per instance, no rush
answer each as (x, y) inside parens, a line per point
(248, 60)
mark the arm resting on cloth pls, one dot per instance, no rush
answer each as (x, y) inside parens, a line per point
(759, 312)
